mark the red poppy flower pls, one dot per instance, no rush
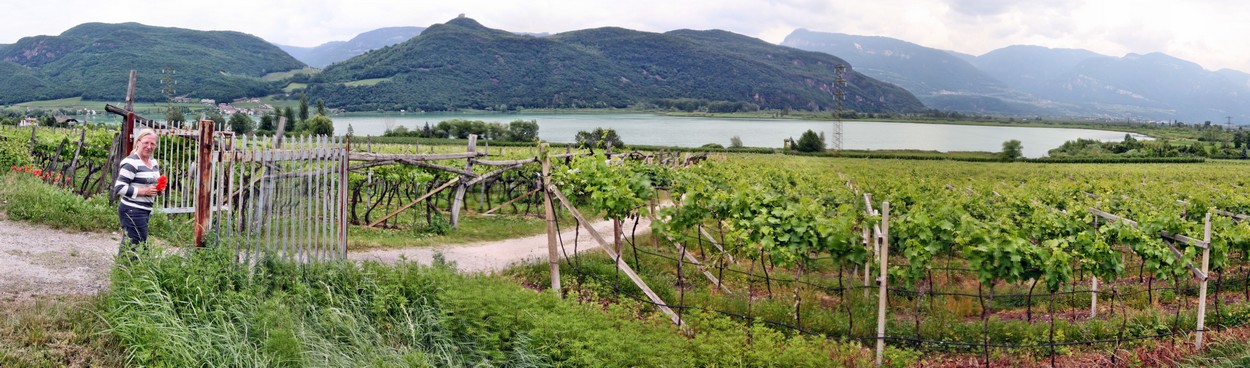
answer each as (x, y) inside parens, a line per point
(161, 182)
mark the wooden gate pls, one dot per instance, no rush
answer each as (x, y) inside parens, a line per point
(261, 195)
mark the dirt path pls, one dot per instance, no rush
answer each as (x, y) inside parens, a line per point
(39, 261)
(497, 255)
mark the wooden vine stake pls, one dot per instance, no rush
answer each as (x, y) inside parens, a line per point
(624, 267)
(1093, 301)
(884, 278)
(1202, 288)
(203, 191)
(553, 258)
(458, 201)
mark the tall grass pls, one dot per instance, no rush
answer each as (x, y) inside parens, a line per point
(55, 332)
(203, 308)
(26, 198)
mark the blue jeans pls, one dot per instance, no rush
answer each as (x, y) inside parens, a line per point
(135, 223)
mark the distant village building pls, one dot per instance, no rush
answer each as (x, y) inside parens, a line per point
(208, 101)
(227, 109)
(28, 122)
(66, 120)
(184, 100)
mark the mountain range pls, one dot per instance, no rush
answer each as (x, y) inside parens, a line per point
(93, 61)
(336, 51)
(462, 64)
(1033, 80)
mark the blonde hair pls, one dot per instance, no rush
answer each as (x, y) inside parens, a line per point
(139, 136)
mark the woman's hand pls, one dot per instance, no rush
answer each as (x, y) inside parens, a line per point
(149, 192)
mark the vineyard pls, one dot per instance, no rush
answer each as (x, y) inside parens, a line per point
(991, 261)
(1062, 264)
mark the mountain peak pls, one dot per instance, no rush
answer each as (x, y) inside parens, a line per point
(462, 64)
(466, 22)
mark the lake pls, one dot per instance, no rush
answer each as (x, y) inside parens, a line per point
(649, 129)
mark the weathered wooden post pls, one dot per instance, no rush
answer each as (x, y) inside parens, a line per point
(1093, 294)
(203, 191)
(344, 164)
(32, 138)
(70, 171)
(1202, 288)
(458, 202)
(124, 140)
(882, 290)
(1093, 299)
(553, 258)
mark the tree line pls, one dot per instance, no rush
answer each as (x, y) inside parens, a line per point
(515, 131)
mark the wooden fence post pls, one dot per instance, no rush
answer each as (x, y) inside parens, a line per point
(204, 165)
(882, 290)
(71, 170)
(343, 181)
(458, 202)
(553, 258)
(1202, 288)
(32, 138)
(1093, 300)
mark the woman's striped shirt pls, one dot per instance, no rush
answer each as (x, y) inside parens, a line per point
(134, 175)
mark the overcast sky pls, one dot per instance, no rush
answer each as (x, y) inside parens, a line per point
(1208, 32)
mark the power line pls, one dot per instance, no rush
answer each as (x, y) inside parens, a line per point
(838, 95)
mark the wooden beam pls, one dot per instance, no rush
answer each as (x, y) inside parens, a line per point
(370, 164)
(140, 119)
(1181, 256)
(1164, 234)
(568, 155)
(203, 191)
(624, 267)
(527, 194)
(468, 173)
(714, 243)
(1236, 217)
(504, 163)
(363, 156)
(1202, 288)
(549, 214)
(458, 199)
(489, 175)
(413, 203)
(130, 91)
(702, 267)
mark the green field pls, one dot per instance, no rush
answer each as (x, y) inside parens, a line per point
(1021, 231)
(366, 82)
(277, 76)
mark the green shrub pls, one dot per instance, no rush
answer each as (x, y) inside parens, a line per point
(809, 142)
(29, 199)
(13, 153)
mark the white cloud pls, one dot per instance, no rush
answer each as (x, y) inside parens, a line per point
(1204, 31)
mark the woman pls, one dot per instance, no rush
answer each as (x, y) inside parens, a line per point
(136, 185)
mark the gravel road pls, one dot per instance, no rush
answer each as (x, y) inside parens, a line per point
(498, 255)
(38, 261)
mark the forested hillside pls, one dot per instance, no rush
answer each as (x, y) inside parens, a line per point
(464, 65)
(93, 60)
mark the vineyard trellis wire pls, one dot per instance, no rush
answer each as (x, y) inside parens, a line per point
(1118, 294)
